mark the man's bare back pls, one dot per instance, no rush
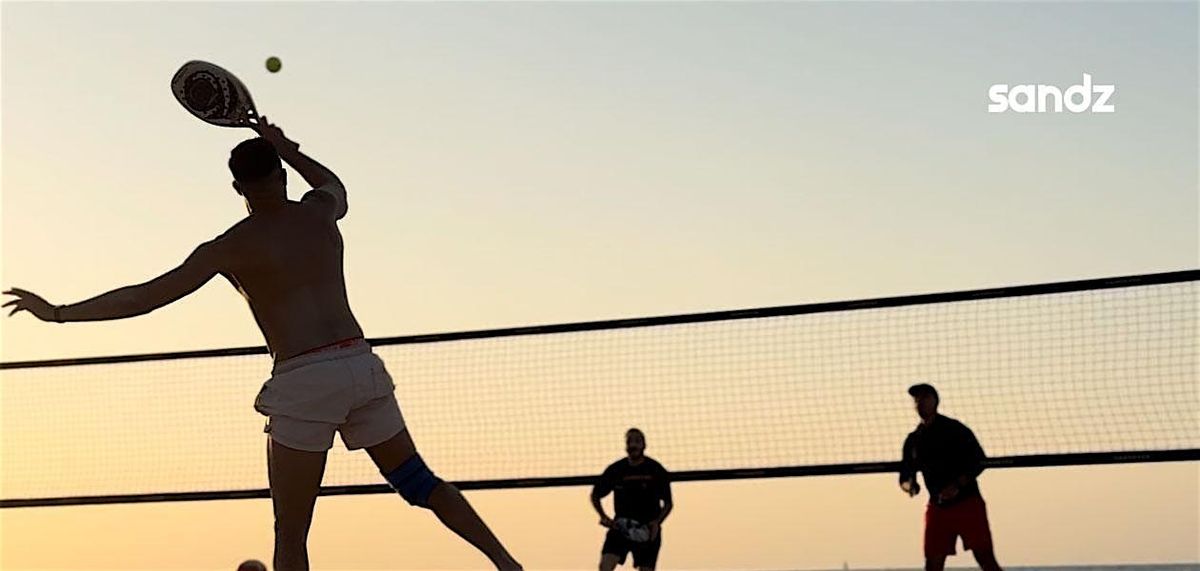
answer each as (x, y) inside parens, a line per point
(287, 263)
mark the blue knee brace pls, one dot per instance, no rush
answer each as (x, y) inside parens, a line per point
(414, 481)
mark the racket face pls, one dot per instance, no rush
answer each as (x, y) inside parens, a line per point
(632, 530)
(213, 95)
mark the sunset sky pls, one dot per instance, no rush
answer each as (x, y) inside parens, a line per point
(523, 163)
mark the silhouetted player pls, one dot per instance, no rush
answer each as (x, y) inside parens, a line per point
(641, 490)
(946, 452)
(286, 260)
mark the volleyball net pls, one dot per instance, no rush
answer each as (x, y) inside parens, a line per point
(1093, 371)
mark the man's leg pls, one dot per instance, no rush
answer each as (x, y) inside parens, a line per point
(295, 477)
(977, 534)
(444, 500)
(614, 550)
(986, 559)
(940, 537)
(645, 555)
(608, 562)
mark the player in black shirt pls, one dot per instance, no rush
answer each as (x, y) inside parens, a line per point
(641, 490)
(946, 452)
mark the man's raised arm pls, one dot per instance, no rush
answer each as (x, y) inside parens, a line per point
(313, 172)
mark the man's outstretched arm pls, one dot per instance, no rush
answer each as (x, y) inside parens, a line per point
(128, 301)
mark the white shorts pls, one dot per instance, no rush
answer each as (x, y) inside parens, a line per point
(346, 390)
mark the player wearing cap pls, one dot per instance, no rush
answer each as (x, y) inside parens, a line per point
(947, 454)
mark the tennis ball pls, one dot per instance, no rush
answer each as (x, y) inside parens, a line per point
(273, 64)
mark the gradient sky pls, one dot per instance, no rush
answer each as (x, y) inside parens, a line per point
(511, 164)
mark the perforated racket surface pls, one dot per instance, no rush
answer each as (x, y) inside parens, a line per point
(214, 95)
(632, 530)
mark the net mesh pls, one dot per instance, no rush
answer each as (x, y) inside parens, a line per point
(1092, 371)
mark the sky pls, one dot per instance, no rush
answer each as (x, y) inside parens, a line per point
(523, 163)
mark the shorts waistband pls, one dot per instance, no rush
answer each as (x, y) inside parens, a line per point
(339, 350)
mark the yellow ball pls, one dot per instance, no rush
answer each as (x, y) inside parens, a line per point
(273, 64)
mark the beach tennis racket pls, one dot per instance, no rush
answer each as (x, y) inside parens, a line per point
(214, 95)
(632, 530)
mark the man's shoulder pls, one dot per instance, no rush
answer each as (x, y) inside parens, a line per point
(234, 233)
(951, 423)
(224, 247)
(329, 198)
(319, 194)
(654, 464)
(238, 228)
(953, 426)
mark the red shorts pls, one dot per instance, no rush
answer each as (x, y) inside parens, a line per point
(966, 519)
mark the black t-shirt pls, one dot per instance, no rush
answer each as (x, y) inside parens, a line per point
(638, 490)
(942, 451)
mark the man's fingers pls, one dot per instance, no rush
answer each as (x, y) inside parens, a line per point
(18, 291)
(13, 302)
(15, 310)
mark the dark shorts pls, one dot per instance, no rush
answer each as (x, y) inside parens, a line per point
(645, 554)
(966, 519)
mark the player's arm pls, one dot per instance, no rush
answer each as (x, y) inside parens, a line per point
(969, 459)
(599, 507)
(908, 468)
(664, 494)
(128, 301)
(972, 458)
(603, 487)
(668, 505)
(328, 189)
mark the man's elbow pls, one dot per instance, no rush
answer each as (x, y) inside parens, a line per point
(338, 190)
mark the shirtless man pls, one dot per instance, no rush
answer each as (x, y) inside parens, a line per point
(286, 260)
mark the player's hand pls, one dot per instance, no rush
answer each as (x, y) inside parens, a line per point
(606, 521)
(910, 487)
(272, 133)
(948, 493)
(654, 527)
(31, 302)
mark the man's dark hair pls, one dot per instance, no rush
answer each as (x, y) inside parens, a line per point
(253, 159)
(633, 431)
